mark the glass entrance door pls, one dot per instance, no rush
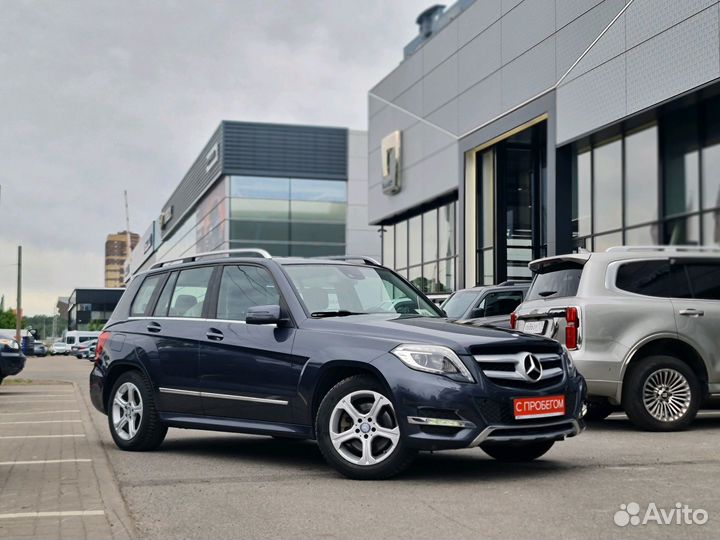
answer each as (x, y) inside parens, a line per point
(511, 200)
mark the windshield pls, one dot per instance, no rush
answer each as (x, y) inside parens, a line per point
(328, 290)
(556, 281)
(458, 304)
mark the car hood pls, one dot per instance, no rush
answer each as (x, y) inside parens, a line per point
(429, 330)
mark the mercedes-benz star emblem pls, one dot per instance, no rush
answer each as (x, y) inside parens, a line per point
(533, 367)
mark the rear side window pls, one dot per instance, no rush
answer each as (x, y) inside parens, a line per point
(556, 281)
(144, 295)
(704, 280)
(191, 288)
(656, 278)
(500, 303)
(242, 287)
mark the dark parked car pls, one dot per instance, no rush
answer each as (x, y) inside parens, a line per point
(344, 352)
(486, 305)
(12, 360)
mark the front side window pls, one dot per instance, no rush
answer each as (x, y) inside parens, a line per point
(327, 289)
(142, 300)
(458, 304)
(243, 287)
(190, 292)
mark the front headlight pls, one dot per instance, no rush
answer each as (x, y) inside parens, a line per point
(433, 359)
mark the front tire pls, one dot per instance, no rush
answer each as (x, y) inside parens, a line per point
(517, 452)
(598, 410)
(661, 393)
(358, 431)
(132, 417)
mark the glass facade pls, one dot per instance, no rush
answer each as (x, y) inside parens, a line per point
(656, 184)
(423, 248)
(288, 216)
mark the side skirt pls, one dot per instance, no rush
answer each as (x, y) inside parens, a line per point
(233, 425)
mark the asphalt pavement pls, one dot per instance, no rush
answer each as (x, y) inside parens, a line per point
(212, 485)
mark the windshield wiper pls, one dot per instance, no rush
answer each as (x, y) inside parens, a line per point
(336, 313)
(545, 294)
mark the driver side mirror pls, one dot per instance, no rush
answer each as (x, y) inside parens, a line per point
(477, 312)
(263, 315)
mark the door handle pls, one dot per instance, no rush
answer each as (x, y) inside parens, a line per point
(691, 312)
(154, 327)
(214, 334)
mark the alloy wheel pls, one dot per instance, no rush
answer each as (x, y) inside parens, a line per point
(127, 410)
(364, 428)
(667, 395)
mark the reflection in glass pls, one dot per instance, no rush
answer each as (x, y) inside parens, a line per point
(278, 231)
(430, 277)
(318, 190)
(388, 242)
(415, 241)
(582, 196)
(683, 231)
(260, 209)
(641, 176)
(607, 188)
(711, 157)
(401, 245)
(447, 230)
(711, 228)
(415, 276)
(259, 187)
(317, 232)
(601, 243)
(681, 164)
(642, 236)
(317, 211)
(446, 276)
(430, 230)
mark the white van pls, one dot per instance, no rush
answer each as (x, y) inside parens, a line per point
(75, 337)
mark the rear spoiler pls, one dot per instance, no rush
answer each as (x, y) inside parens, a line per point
(578, 258)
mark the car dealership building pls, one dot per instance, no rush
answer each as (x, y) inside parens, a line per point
(517, 129)
(289, 189)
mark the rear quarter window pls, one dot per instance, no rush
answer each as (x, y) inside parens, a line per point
(142, 299)
(656, 278)
(556, 281)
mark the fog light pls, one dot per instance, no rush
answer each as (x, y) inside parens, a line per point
(439, 422)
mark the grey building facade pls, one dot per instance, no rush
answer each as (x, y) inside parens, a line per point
(546, 126)
(292, 190)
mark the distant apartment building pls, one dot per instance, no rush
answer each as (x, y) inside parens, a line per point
(116, 252)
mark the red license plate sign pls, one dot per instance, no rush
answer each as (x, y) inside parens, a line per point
(538, 407)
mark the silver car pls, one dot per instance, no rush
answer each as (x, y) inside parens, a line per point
(641, 323)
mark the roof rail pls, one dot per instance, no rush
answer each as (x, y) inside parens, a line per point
(367, 260)
(669, 249)
(191, 258)
(513, 282)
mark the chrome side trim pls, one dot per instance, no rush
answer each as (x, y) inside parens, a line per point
(439, 422)
(222, 396)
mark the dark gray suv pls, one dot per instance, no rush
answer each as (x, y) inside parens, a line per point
(345, 352)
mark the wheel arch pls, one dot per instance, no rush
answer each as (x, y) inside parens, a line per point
(335, 371)
(115, 370)
(665, 345)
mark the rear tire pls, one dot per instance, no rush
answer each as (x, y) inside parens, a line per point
(358, 432)
(661, 393)
(598, 410)
(517, 452)
(132, 417)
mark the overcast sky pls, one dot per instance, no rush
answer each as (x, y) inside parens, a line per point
(97, 97)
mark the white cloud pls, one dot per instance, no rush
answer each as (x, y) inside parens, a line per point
(98, 97)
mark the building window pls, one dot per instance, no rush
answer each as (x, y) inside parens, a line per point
(422, 248)
(641, 177)
(607, 186)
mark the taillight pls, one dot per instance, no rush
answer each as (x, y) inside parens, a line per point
(513, 320)
(102, 338)
(572, 322)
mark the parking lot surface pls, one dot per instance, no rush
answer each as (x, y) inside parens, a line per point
(211, 485)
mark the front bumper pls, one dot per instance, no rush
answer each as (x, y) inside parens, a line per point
(438, 413)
